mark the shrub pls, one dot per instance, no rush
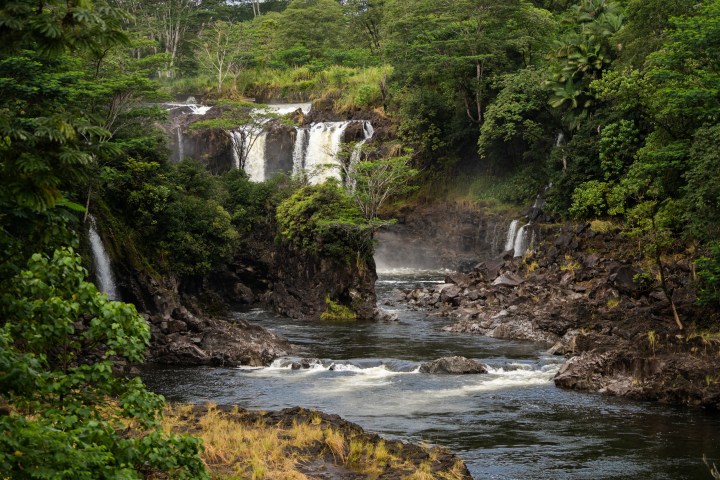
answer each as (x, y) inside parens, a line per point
(709, 274)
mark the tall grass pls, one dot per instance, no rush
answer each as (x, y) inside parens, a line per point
(346, 87)
(246, 445)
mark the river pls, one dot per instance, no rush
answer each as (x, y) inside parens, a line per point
(511, 423)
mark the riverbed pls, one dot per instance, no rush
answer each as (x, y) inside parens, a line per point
(511, 423)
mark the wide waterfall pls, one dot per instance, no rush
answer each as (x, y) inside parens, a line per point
(315, 151)
(321, 161)
(103, 269)
(249, 143)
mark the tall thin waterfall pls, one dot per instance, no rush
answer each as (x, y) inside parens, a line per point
(181, 149)
(512, 231)
(299, 151)
(321, 161)
(368, 132)
(522, 241)
(103, 268)
(255, 158)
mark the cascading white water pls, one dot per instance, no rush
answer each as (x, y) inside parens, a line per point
(368, 132)
(181, 150)
(299, 150)
(512, 231)
(521, 241)
(284, 108)
(103, 268)
(321, 161)
(254, 144)
(237, 146)
(560, 139)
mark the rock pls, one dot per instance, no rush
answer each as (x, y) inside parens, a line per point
(622, 279)
(507, 280)
(453, 365)
(175, 326)
(450, 293)
(223, 342)
(460, 279)
(305, 363)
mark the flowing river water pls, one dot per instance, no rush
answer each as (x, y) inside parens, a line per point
(511, 423)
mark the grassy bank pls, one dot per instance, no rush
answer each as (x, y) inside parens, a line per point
(347, 87)
(298, 444)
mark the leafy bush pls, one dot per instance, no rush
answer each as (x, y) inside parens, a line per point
(709, 274)
(589, 199)
(337, 312)
(70, 414)
(322, 219)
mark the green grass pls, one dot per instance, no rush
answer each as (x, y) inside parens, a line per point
(346, 87)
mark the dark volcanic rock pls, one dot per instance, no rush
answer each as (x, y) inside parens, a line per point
(453, 365)
(217, 342)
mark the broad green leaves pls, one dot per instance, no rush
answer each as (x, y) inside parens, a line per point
(58, 343)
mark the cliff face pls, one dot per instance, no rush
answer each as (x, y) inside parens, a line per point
(302, 283)
(443, 235)
(592, 296)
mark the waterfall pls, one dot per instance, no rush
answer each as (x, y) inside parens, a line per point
(299, 150)
(254, 152)
(103, 269)
(181, 150)
(512, 231)
(560, 139)
(521, 241)
(321, 161)
(236, 139)
(368, 132)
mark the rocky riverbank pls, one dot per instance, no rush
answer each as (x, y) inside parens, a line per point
(589, 294)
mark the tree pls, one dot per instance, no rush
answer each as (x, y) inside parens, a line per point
(316, 25)
(446, 57)
(243, 122)
(371, 183)
(581, 55)
(223, 50)
(66, 414)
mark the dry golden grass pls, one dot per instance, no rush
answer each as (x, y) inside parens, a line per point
(247, 445)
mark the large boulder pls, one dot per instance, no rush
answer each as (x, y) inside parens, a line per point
(453, 365)
(218, 342)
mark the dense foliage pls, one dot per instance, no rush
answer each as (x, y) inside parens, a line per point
(613, 105)
(65, 411)
(324, 220)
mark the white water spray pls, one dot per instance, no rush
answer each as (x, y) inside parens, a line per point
(512, 231)
(321, 162)
(521, 241)
(103, 268)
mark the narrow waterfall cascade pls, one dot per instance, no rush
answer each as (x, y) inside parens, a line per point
(180, 149)
(522, 241)
(103, 268)
(560, 139)
(321, 162)
(368, 132)
(301, 144)
(512, 232)
(313, 151)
